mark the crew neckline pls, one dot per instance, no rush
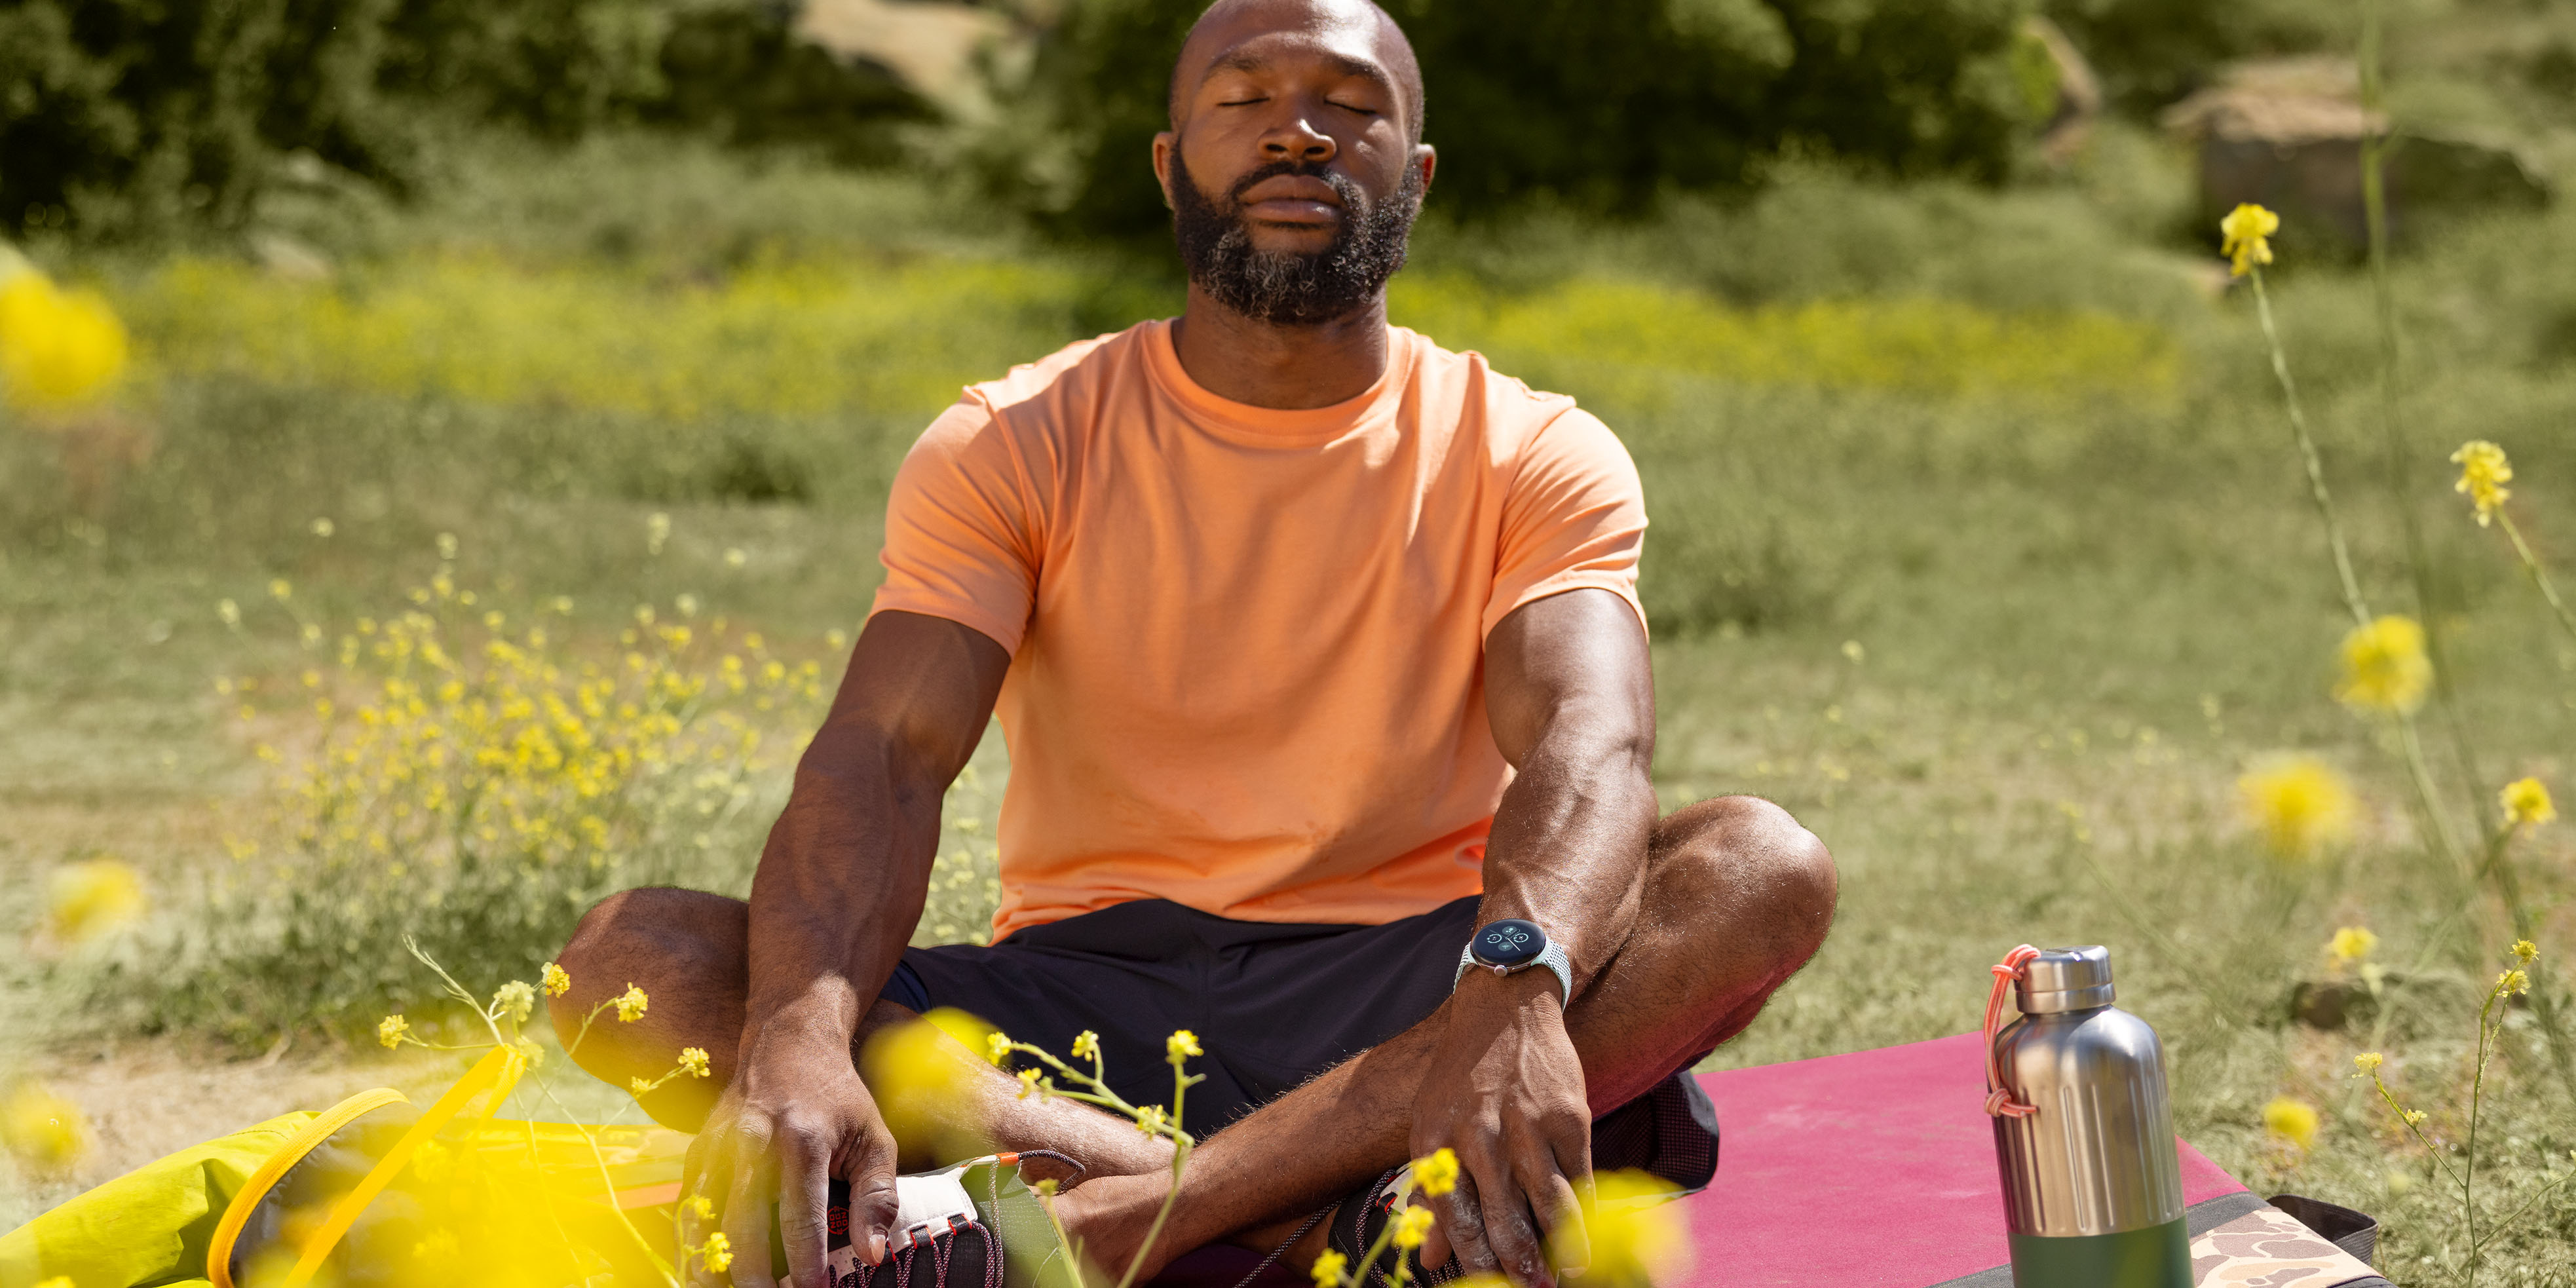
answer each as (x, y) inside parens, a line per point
(1277, 426)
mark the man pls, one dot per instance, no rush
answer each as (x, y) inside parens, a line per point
(1318, 650)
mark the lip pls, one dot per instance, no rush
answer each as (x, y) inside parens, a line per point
(1293, 199)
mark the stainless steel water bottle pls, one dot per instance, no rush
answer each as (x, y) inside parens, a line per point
(2083, 1130)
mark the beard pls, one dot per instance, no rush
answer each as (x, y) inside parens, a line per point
(1287, 287)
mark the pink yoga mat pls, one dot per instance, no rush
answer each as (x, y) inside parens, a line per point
(1869, 1170)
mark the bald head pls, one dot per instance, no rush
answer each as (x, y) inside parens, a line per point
(1233, 33)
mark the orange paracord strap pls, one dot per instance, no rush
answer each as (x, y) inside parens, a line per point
(2009, 970)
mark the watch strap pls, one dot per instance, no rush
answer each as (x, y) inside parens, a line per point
(1552, 957)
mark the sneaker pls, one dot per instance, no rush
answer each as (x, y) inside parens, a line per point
(974, 1225)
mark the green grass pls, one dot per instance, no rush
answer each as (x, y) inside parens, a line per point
(2008, 444)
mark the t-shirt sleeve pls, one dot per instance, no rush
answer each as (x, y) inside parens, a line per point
(1575, 517)
(961, 536)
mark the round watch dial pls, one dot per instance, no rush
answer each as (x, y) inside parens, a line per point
(1508, 943)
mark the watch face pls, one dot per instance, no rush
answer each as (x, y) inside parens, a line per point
(1511, 942)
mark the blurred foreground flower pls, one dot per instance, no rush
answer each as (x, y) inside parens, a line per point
(2292, 1120)
(2484, 471)
(2351, 944)
(2246, 230)
(57, 347)
(1638, 1235)
(42, 1130)
(87, 900)
(2526, 803)
(2384, 667)
(2299, 804)
(922, 1074)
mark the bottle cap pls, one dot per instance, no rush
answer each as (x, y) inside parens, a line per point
(2065, 979)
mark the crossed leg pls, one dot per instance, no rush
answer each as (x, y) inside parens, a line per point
(1738, 896)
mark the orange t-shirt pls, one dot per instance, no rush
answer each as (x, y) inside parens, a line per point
(1247, 645)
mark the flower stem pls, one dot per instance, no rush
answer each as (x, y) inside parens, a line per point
(1181, 1143)
(2317, 492)
(2539, 575)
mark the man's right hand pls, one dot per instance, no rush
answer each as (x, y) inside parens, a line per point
(795, 1116)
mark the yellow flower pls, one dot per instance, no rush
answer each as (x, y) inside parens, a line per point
(514, 999)
(2292, 1120)
(87, 900)
(1637, 1235)
(2484, 471)
(1086, 1045)
(2513, 982)
(1412, 1228)
(693, 1062)
(1151, 1120)
(2369, 1061)
(2351, 944)
(1327, 1270)
(1438, 1174)
(639, 1086)
(392, 1030)
(56, 347)
(229, 611)
(1029, 1084)
(557, 982)
(717, 1252)
(2412, 1116)
(2524, 951)
(2299, 804)
(2246, 230)
(698, 1206)
(631, 1004)
(2384, 667)
(1181, 1046)
(997, 1048)
(281, 588)
(40, 1128)
(2526, 803)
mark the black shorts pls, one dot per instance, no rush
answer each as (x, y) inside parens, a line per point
(1273, 1005)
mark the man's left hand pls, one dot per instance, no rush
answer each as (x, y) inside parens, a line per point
(1505, 1090)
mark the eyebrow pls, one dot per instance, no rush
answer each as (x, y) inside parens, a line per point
(1242, 60)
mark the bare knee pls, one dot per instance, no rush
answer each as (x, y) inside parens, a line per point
(1744, 863)
(688, 946)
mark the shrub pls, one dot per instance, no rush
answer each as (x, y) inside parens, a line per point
(135, 118)
(1598, 103)
(470, 778)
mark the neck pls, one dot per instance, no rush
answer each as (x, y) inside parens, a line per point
(1291, 368)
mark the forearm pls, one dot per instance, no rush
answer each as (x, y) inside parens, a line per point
(840, 885)
(1568, 848)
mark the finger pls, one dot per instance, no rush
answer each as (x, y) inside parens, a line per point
(1509, 1231)
(1435, 1246)
(749, 1212)
(702, 1172)
(873, 1202)
(1560, 1213)
(1463, 1219)
(804, 1192)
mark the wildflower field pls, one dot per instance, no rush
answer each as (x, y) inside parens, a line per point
(509, 561)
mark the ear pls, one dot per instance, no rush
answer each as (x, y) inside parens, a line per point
(1163, 145)
(1427, 157)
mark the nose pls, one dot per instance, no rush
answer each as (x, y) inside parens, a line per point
(1296, 139)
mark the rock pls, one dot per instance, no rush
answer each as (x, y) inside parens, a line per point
(2287, 134)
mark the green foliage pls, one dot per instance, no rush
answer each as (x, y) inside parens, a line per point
(136, 119)
(1598, 104)
(2151, 52)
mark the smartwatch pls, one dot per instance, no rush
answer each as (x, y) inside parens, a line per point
(1510, 946)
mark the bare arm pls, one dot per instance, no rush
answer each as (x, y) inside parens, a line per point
(1569, 690)
(840, 885)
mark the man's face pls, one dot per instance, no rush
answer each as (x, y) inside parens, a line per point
(1293, 175)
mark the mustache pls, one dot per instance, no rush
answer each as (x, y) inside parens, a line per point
(1354, 199)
